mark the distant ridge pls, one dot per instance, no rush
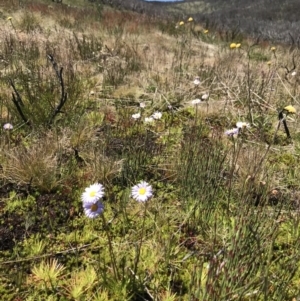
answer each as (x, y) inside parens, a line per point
(268, 20)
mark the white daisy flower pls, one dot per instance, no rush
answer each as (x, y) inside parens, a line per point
(205, 96)
(141, 192)
(8, 126)
(197, 81)
(293, 73)
(232, 132)
(92, 209)
(149, 119)
(157, 115)
(142, 105)
(93, 193)
(136, 116)
(241, 125)
(195, 101)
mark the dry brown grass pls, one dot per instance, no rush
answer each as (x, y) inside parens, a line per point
(163, 65)
(34, 166)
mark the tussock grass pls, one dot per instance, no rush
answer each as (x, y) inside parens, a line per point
(77, 85)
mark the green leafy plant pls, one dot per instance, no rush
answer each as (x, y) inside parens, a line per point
(48, 273)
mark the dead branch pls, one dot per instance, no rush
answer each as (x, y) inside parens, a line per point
(63, 97)
(17, 100)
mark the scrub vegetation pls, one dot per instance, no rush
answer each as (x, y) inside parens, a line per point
(145, 158)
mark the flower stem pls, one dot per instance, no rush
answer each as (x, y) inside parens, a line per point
(111, 251)
(137, 258)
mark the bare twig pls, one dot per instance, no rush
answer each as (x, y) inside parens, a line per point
(282, 119)
(63, 97)
(17, 100)
(288, 71)
(71, 250)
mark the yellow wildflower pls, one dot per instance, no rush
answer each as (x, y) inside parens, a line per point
(290, 109)
(181, 23)
(205, 31)
(190, 19)
(232, 46)
(238, 45)
(273, 48)
(9, 18)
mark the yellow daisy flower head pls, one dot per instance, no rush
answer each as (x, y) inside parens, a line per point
(290, 109)
(157, 115)
(232, 45)
(136, 116)
(232, 132)
(195, 101)
(142, 191)
(190, 19)
(9, 18)
(205, 31)
(269, 63)
(238, 45)
(93, 209)
(181, 23)
(93, 193)
(8, 126)
(242, 124)
(273, 48)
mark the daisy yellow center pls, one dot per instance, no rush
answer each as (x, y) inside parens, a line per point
(92, 193)
(142, 191)
(94, 207)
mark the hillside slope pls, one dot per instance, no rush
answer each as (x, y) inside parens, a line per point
(271, 20)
